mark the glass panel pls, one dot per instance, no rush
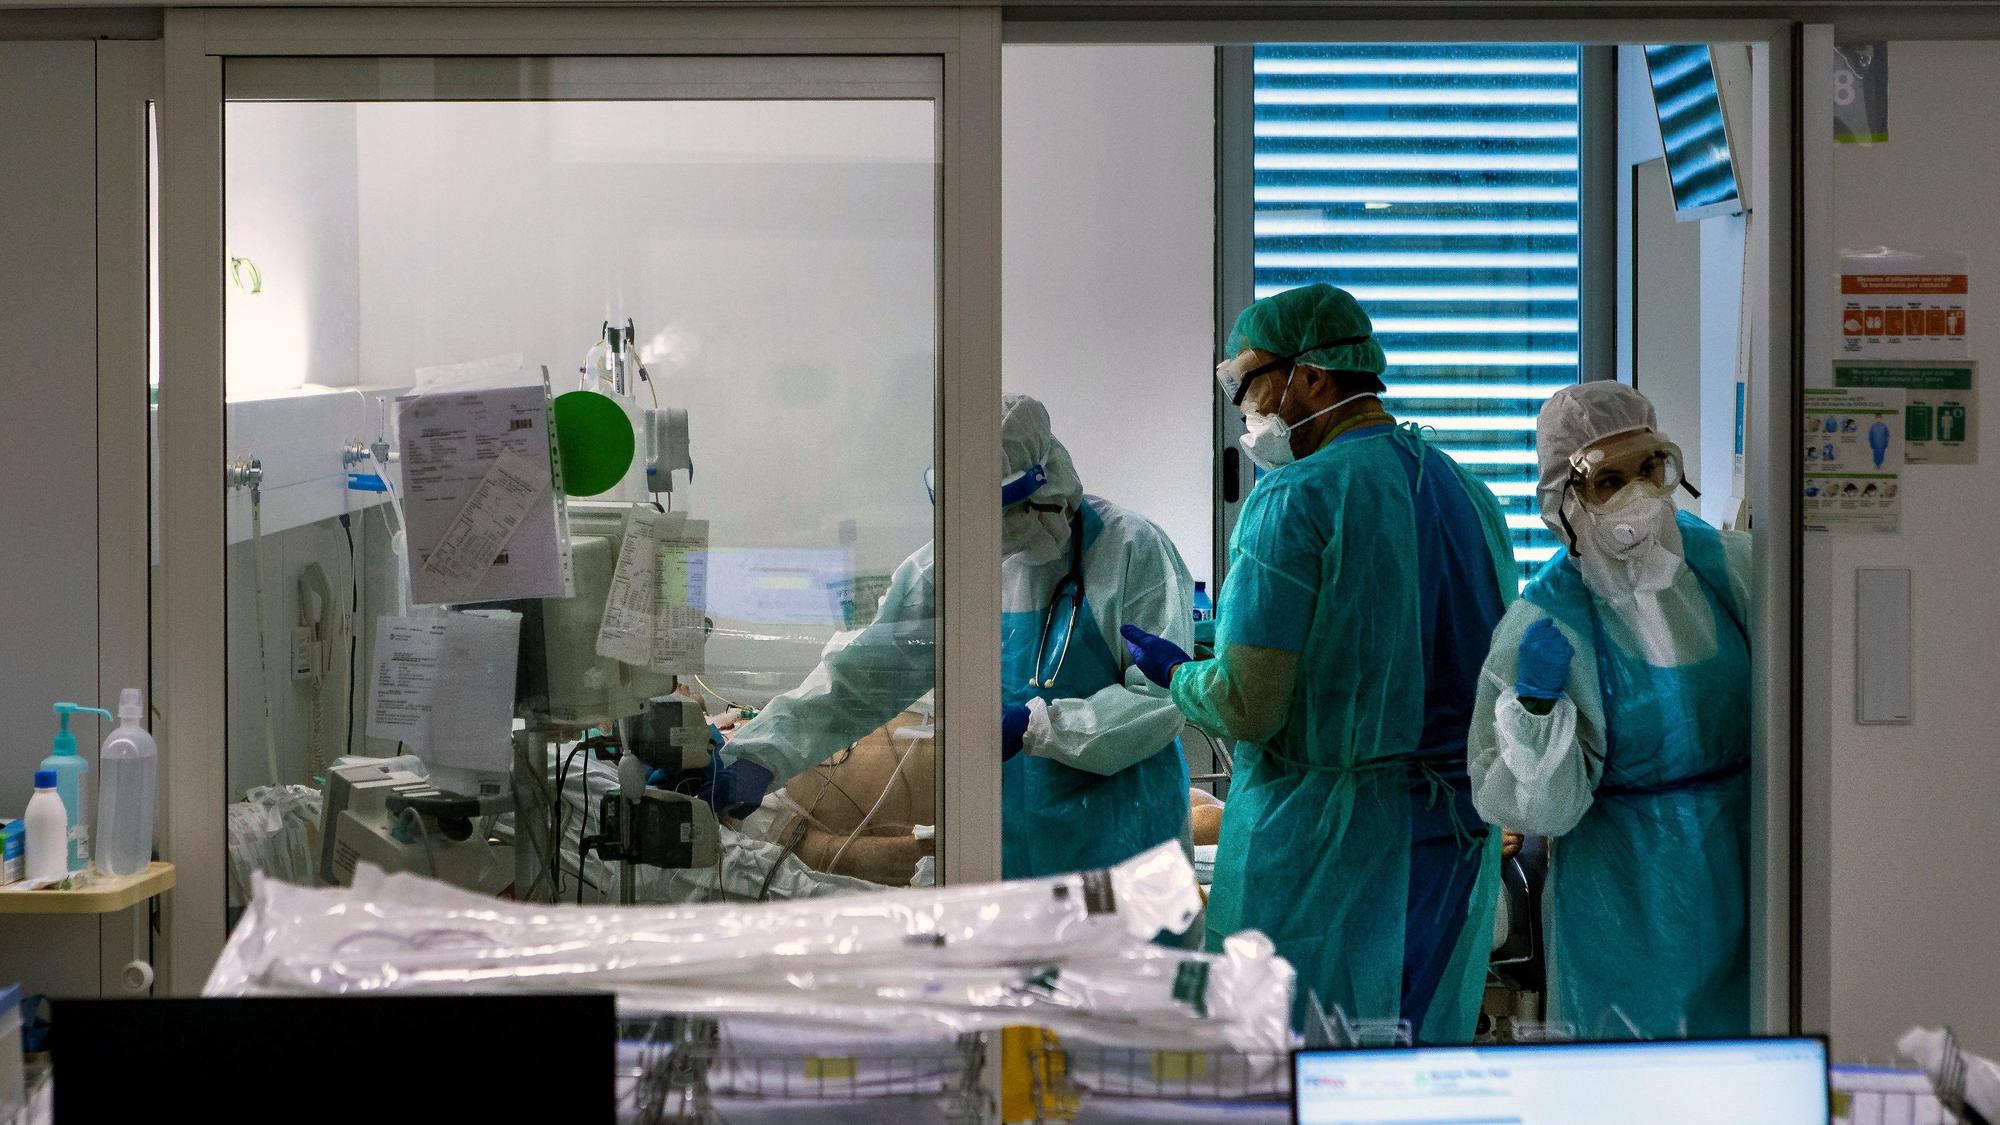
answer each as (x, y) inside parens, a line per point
(724, 309)
(1438, 184)
(1604, 731)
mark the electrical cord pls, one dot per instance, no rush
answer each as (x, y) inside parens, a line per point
(805, 822)
(353, 618)
(833, 865)
(424, 830)
(556, 817)
(583, 826)
(725, 699)
(263, 659)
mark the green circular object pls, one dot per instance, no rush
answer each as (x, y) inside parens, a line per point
(594, 442)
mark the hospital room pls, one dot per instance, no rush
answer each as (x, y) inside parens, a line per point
(508, 572)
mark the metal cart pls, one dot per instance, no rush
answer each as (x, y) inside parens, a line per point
(676, 1070)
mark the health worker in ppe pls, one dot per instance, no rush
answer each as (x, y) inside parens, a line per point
(1614, 715)
(1093, 771)
(1365, 576)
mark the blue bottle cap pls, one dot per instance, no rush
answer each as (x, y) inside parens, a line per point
(45, 779)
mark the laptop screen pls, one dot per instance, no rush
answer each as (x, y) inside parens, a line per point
(1720, 1082)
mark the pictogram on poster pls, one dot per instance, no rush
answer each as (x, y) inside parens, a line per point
(1899, 305)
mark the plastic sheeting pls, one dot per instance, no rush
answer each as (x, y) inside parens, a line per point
(1928, 1047)
(1072, 953)
(273, 832)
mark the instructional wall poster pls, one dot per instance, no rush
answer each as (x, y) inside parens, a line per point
(1940, 404)
(1853, 459)
(1896, 305)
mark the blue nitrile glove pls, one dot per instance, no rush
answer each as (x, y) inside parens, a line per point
(1544, 662)
(736, 789)
(1157, 657)
(1013, 728)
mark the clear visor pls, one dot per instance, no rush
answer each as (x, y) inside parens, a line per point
(1602, 470)
(1016, 489)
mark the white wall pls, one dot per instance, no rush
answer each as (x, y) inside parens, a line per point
(1915, 851)
(48, 459)
(1108, 213)
(289, 175)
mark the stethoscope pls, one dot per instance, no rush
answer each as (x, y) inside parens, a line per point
(1069, 586)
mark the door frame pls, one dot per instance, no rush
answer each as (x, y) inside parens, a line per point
(191, 426)
(1772, 175)
(130, 85)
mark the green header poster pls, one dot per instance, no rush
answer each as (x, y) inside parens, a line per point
(1940, 404)
(1853, 459)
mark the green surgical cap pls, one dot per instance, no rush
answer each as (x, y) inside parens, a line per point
(1305, 324)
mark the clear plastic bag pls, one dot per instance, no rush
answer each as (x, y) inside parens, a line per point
(273, 834)
(404, 932)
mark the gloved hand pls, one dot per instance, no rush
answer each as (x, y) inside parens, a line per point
(1156, 656)
(1545, 655)
(736, 789)
(1013, 728)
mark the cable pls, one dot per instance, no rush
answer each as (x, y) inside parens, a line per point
(555, 820)
(725, 699)
(353, 616)
(805, 826)
(263, 658)
(424, 830)
(833, 865)
(582, 826)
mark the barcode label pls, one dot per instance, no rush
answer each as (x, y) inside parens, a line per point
(520, 424)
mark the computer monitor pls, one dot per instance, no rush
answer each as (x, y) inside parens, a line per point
(1694, 130)
(1671, 1082)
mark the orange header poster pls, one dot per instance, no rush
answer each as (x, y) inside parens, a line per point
(1900, 305)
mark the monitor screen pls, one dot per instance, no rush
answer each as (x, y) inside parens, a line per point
(1721, 1082)
(1693, 131)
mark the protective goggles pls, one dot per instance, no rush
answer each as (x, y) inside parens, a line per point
(1599, 472)
(1237, 374)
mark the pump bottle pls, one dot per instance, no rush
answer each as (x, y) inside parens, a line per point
(71, 769)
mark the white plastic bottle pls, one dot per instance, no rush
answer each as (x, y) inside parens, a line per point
(48, 830)
(128, 763)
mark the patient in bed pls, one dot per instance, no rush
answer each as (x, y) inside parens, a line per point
(860, 813)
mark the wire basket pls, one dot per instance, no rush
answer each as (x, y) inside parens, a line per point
(689, 1071)
(1066, 1076)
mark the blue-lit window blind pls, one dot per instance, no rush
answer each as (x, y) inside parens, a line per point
(1438, 184)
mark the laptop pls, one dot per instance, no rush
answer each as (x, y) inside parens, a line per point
(1666, 1082)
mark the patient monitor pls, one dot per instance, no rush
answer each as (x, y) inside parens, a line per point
(562, 679)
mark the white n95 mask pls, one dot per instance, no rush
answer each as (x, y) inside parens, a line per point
(1631, 544)
(1267, 439)
(1038, 535)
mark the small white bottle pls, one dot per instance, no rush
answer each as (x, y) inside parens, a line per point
(48, 830)
(128, 764)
